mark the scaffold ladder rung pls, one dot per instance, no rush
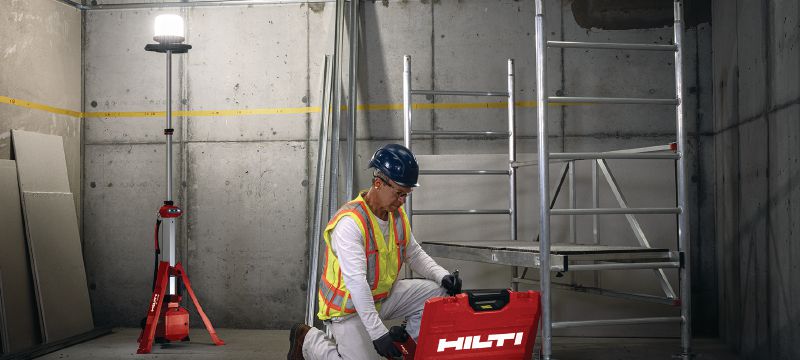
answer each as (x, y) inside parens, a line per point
(462, 212)
(464, 172)
(611, 46)
(615, 211)
(610, 100)
(611, 155)
(460, 133)
(459, 93)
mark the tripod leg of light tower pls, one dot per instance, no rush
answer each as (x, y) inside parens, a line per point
(157, 321)
(180, 272)
(154, 311)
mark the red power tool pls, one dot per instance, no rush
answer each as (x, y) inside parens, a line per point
(403, 342)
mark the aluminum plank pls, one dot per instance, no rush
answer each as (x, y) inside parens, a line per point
(557, 248)
(562, 256)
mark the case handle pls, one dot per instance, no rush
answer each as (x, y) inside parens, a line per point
(488, 300)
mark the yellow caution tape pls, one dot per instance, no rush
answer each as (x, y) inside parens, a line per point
(264, 111)
(241, 112)
(37, 106)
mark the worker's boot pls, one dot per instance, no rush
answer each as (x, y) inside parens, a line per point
(296, 337)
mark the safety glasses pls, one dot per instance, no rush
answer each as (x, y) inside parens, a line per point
(400, 193)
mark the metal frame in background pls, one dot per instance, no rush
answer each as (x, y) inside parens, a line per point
(319, 195)
(330, 120)
(544, 161)
(511, 172)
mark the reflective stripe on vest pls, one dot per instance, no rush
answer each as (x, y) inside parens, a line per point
(334, 298)
(399, 218)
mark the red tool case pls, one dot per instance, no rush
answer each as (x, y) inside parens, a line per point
(479, 324)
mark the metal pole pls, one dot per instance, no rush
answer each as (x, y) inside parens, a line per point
(407, 119)
(512, 158)
(512, 150)
(683, 216)
(319, 193)
(169, 228)
(595, 218)
(573, 203)
(544, 182)
(333, 196)
(407, 136)
(353, 103)
(595, 203)
(169, 126)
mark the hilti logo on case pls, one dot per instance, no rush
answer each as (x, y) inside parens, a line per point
(474, 342)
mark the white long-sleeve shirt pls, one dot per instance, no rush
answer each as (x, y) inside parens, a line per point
(347, 244)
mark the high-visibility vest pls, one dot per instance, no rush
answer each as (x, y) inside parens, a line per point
(384, 258)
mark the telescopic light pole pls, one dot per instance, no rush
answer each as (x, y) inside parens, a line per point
(169, 35)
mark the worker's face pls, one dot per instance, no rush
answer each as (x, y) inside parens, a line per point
(392, 195)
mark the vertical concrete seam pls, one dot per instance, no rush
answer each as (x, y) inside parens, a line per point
(82, 129)
(433, 75)
(183, 76)
(718, 198)
(736, 240)
(563, 83)
(309, 153)
(767, 24)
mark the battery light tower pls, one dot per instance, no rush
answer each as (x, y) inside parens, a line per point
(166, 320)
(169, 35)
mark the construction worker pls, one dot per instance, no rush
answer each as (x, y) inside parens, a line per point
(367, 241)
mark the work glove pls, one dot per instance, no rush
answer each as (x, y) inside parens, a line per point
(452, 284)
(385, 347)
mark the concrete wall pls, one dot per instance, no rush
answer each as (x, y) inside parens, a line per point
(40, 68)
(756, 144)
(244, 180)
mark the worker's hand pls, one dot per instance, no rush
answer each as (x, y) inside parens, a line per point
(452, 284)
(385, 347)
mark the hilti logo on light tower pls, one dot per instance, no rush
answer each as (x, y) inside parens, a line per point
(154, 303)
(474, 342)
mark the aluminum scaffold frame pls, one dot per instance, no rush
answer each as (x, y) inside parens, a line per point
(511, 171)
(543, 165)
(564, 257)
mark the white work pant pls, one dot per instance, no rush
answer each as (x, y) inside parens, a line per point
(351, 341)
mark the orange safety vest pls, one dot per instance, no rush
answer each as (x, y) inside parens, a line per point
(384, 258)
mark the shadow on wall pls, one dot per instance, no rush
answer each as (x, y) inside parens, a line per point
(636, 14)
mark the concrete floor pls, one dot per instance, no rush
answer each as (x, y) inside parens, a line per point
(273, 344)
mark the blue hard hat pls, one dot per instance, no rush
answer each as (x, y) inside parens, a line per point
(398, 163)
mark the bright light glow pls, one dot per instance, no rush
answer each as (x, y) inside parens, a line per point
(168, 29)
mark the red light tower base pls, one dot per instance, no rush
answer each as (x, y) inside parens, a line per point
(169, 321)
